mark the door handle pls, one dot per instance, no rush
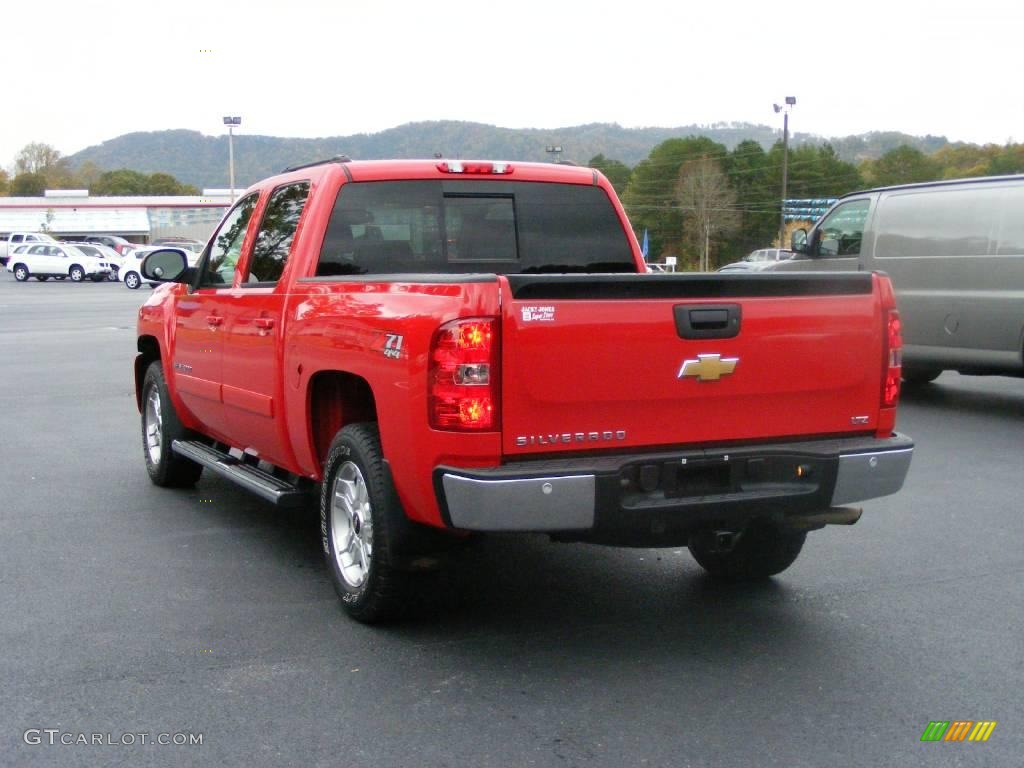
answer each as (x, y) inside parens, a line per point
(264, 323)
(214, 320)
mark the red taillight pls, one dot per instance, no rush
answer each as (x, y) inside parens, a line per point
(463, 375)
(893, 363)
(459, 166)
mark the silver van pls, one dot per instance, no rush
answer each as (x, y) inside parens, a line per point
(955, 252)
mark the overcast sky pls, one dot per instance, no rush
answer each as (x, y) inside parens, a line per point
(77, 73)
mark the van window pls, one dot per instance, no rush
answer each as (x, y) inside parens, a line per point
(841, 232)
(389, 227)
(1011, 222)
(937, 222)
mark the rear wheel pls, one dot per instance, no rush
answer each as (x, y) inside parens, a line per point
(918, 377)
(21, 273)
(76, 273)
(360, 518)
(760, 551)
(160, 428)
(132, 280)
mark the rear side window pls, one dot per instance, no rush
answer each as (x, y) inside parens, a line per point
(277, 230)
(388, 227)
(944, 222)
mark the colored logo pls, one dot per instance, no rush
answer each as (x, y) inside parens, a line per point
(958, 730)
(708, 367)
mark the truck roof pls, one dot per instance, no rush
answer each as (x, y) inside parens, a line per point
(443, 168)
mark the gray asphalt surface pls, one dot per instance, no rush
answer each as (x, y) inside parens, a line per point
(129, 609)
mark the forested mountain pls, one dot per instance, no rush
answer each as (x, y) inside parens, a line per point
(194, 158)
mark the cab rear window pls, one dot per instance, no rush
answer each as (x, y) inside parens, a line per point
(389, 227)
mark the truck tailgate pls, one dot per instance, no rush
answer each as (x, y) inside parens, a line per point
(613, 362)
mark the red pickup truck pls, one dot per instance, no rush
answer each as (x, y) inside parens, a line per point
(439, 347)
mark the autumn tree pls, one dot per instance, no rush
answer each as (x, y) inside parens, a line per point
(903, 165)
(708, 206)
(28, 185)
(36, 158)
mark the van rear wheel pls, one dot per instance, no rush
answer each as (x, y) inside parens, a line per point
(918, 377)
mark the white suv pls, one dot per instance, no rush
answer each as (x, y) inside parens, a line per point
(131, 266)
(45, 260)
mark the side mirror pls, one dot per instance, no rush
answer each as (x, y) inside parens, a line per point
(166, 265)
(798, 242)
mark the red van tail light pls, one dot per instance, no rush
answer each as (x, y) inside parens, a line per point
(463, 376)
(893, 361)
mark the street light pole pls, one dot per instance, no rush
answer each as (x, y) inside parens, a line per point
(784, 109)
(555, 151)
(231, 122)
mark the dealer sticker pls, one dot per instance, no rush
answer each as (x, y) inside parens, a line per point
(538, 314)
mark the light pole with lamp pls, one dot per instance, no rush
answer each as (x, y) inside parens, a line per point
(785, 110)
(231, 122)
(555, 152)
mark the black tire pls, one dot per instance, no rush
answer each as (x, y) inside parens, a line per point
(21, 273)
(132, 280)
(42, 278)
(76, 273)
(918, 377)
(762, 550)
(372, 587)
(112, 277)
(166, 468)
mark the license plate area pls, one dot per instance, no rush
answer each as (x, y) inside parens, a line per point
(697, 479)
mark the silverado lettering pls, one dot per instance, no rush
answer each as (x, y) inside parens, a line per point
(380, 338)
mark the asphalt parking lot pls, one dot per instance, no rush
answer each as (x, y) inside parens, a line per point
(129, 609)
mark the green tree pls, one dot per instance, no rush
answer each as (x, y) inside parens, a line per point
(1009, 160)
(618, 173)
(122, 182)
(165, 184)
(5, 183)
(650, 197)
(28, 185)
(752, 176)
(903, 165)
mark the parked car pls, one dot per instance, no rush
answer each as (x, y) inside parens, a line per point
(103, 253)
(14, 239)
(116, 242)
(131, 274)
(181, 242)
(758, 260)
(45, 260)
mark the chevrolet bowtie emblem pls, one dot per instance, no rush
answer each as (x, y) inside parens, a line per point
(708, 367)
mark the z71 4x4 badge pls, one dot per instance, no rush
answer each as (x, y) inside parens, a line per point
(393, 345)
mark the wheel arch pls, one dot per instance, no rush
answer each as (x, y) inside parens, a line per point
(335, 399)
(149, 350)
